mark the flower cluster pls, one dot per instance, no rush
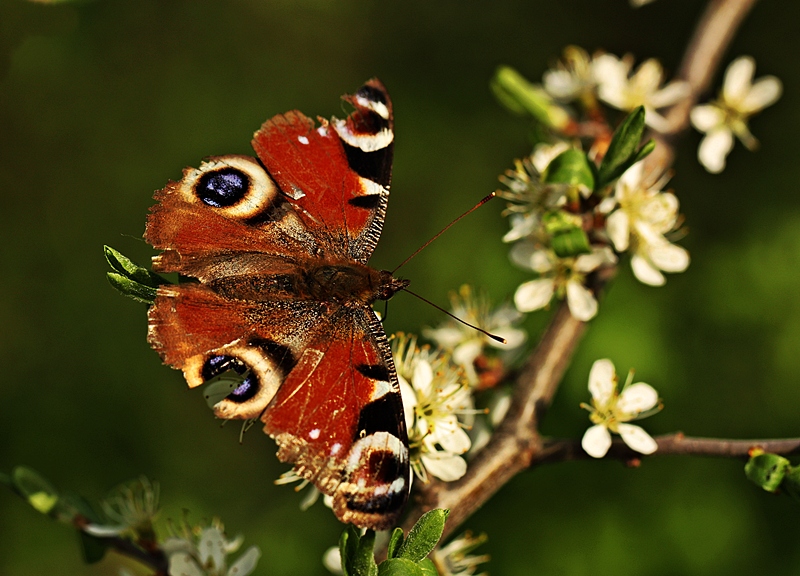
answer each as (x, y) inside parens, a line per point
(578, 202)
(611, 411)
(584, 78)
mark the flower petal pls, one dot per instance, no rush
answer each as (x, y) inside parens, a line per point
(211, 548)
(645, 272)
(714, 148)
(637, 439)
(738, 78)
(637, 398)
(670, 94)
(445, 466)
(618, 230)
(246, 563)
(452, 438)
(332, 560)
(409, 401)
(182, 564)
(669, 257)
(596, 441)
(765, 92)
(582, 304)
(706, 117)
(422, 379)
(602, 381)
(534, 295)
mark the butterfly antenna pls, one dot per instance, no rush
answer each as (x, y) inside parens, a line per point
(442, 231)
(456, 318)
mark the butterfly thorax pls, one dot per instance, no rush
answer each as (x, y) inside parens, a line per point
(343, 282)
(349, 282)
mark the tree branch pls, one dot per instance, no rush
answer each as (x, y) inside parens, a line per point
(517, 444)
(563, 450)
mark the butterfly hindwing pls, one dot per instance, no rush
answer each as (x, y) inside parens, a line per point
(282, 296)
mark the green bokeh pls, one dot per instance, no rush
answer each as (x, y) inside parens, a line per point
(103, 102)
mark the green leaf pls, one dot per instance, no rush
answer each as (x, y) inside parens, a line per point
(348, 548)
(566, 235)
(522, 97)
(93, 548)
(400, 567)
(131, 279)
(395, 542)
(791, 482)
(130, 269)
(364, 560)
(37, 491)
(132, 289)
(571, 167)
(624, 148)
(358, 558)
(422, 538)
(570, 243)
(428, 568)
(766, 470)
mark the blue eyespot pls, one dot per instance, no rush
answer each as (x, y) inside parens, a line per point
(223, 187)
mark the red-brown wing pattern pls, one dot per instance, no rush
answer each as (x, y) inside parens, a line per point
(337, 175)
(338, 417)
(279, 247)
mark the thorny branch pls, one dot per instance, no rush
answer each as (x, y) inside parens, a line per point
(516, 445)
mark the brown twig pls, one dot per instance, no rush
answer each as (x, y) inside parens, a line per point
(561, 450)
(517, 444)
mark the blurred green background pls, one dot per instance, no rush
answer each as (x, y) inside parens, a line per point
(103, 102)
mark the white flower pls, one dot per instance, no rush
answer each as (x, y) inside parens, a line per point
(203, 551)
(559, 277)
(130, 509)
(434, 394)
(643, 216)
(625, 91)
(528, 196)
(610, 411)
(739, 99)
(456, 559)
(466, 344)
(572, 78)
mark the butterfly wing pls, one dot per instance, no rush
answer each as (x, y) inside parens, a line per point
(337, 174)
(316, 369)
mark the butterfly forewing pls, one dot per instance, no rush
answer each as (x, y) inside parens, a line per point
(282, 297)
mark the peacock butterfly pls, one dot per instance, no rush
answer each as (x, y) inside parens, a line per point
(277, 249)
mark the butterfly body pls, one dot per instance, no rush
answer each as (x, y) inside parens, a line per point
(278, 248)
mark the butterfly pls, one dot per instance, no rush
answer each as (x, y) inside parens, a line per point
(275, 248)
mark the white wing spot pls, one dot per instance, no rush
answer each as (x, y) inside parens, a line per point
(314, 434)
(302, 139)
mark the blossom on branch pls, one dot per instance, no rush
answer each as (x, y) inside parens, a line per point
(203, 551)
(611, 411)
(464, 343)
(641, 216)
(435, 393)
(456, 558)
(727, 116)
(624, 90)
(529, 198)
(558, 277)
